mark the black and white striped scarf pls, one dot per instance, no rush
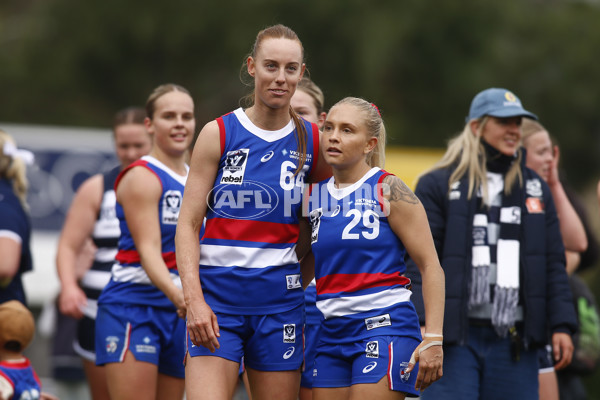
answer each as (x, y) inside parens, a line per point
(503, 251)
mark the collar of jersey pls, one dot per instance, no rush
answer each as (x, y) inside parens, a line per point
(345, 191)
(267, 136)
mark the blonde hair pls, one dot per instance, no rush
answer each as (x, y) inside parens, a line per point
(529, 127)
(311, 88)
(13, 168)
(375, 126)
(466, 152)
(281, 32)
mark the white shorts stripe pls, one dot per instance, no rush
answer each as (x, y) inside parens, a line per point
(126, 344)
(88, 355)
(247, 257)
(340, 306)
(391, 365)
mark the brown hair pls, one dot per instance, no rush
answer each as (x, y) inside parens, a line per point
(129, 115)
(160, 91)
(282, 32)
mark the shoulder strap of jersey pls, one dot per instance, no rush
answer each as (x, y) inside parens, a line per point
(380, 197)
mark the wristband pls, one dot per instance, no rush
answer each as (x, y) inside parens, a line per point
(433, 335)
(425, 347)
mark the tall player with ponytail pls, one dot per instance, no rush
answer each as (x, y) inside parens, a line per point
(242, 285)
(364, 220)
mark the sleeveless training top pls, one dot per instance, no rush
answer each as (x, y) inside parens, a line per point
(359, 262)
(106, 239)
(129, 283)
(248, 263)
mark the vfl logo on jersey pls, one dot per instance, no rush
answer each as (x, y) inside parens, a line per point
(267, 156)
(235, 165)
(293, 281)
(112, 343)
(372, 349)
(289, 333)
(171, 206)
(315, 223)
(378, 321)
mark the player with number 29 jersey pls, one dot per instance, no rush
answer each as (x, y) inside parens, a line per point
(360, 287)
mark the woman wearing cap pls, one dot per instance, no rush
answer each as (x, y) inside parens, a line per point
(15, 226)
(497, 234)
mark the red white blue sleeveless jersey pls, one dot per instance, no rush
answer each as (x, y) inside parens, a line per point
(248, 263)
(129, 283)
(359, 262)
(21, 377)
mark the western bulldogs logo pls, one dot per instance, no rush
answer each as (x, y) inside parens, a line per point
(171, 206)
(235, 166)
(404, 376)
(315, 223)
(112, 343)
(289, 333)
(372, 349)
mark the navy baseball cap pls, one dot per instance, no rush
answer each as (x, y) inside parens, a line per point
(497, 102)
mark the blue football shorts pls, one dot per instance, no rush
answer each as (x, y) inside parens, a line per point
(366, 361)
(152, 334)
(271, 342)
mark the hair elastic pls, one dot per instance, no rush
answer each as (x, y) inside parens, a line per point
(376, 108)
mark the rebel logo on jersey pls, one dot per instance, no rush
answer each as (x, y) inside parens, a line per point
(235, 166)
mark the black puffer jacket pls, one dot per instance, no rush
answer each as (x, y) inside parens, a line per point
(544, 288)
